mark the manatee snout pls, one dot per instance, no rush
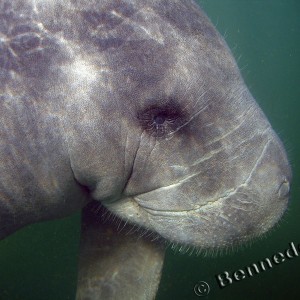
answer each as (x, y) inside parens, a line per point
(238, 215)
(260, 201)
(272, 174)
(234, 193)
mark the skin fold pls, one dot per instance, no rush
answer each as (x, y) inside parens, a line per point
(139, 106)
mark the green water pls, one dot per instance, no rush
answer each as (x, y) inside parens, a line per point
(40, 262)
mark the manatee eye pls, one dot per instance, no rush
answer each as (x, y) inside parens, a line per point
(161, 121)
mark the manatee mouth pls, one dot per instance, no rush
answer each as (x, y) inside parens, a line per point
(282, 193)
(182, 212)
(231, 219)
(221, 209)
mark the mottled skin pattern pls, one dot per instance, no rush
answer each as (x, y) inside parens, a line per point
(140, 106)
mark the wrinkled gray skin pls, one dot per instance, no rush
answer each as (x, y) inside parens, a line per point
(140, 106)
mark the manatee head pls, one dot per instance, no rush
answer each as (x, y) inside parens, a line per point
(152, 118)
(180, 146)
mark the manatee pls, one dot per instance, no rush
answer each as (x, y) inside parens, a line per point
(134, 112)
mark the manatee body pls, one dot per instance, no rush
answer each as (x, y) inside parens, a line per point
(140, 106)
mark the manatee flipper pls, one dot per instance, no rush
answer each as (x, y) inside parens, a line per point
(115, 264)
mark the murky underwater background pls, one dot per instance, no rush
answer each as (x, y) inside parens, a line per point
(40, 262)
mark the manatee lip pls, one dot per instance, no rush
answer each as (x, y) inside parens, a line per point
(283, 193)
(197, 208)
(164, 212)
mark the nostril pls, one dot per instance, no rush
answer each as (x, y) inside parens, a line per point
(284, 189)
